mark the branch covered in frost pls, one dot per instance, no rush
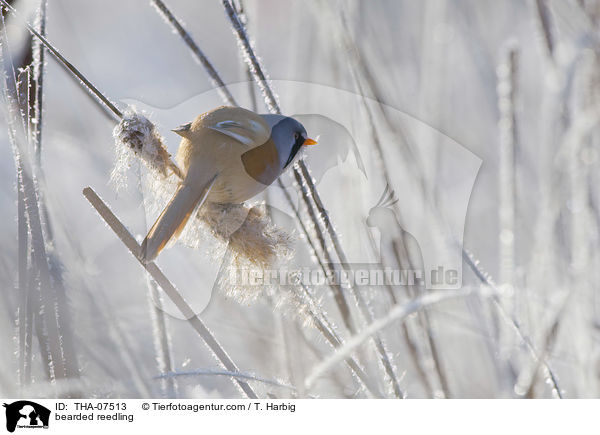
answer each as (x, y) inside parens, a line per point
(337, 290)
(399, 312)
(487, 280)
(162, 338)
(235, 375)
(38, 82)
(543, 23)
(251, 58)
(507, 80)
(321, 322)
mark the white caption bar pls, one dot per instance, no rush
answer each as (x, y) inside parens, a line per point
(22, 416)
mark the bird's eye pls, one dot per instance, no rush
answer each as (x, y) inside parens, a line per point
(296, 136)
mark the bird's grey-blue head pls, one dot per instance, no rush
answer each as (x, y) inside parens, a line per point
(288, 135)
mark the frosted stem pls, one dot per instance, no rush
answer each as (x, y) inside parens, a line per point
(398, 312)
(511, 321)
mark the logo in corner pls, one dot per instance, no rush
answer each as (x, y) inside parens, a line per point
(26, 414)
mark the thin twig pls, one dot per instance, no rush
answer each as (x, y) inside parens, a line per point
(323, 325)
(487, 281)
(251, 59)
(338, 292)
(241, 11)
(542, 13)
(160, 330)
(507, 93)
(526, 381)
(399, 312)
(38, 80)
(25, 314)
(235, 375)
(410, 342)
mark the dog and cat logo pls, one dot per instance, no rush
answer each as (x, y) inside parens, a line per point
(26, 414)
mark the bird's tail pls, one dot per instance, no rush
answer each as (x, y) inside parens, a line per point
(171, 222)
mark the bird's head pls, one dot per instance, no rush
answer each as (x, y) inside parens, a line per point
(289, 137)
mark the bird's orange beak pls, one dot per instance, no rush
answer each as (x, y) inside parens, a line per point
(309, 141)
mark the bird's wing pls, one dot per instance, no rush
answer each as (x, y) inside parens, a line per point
(248, 130)
(171, 222)
(262, 163)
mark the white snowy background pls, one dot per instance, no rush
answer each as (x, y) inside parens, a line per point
(440, 67)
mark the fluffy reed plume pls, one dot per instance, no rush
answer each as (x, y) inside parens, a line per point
(249, 232)
(137, 137)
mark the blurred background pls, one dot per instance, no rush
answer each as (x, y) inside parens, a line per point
(492, 106)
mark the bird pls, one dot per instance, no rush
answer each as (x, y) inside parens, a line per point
(226, 155)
